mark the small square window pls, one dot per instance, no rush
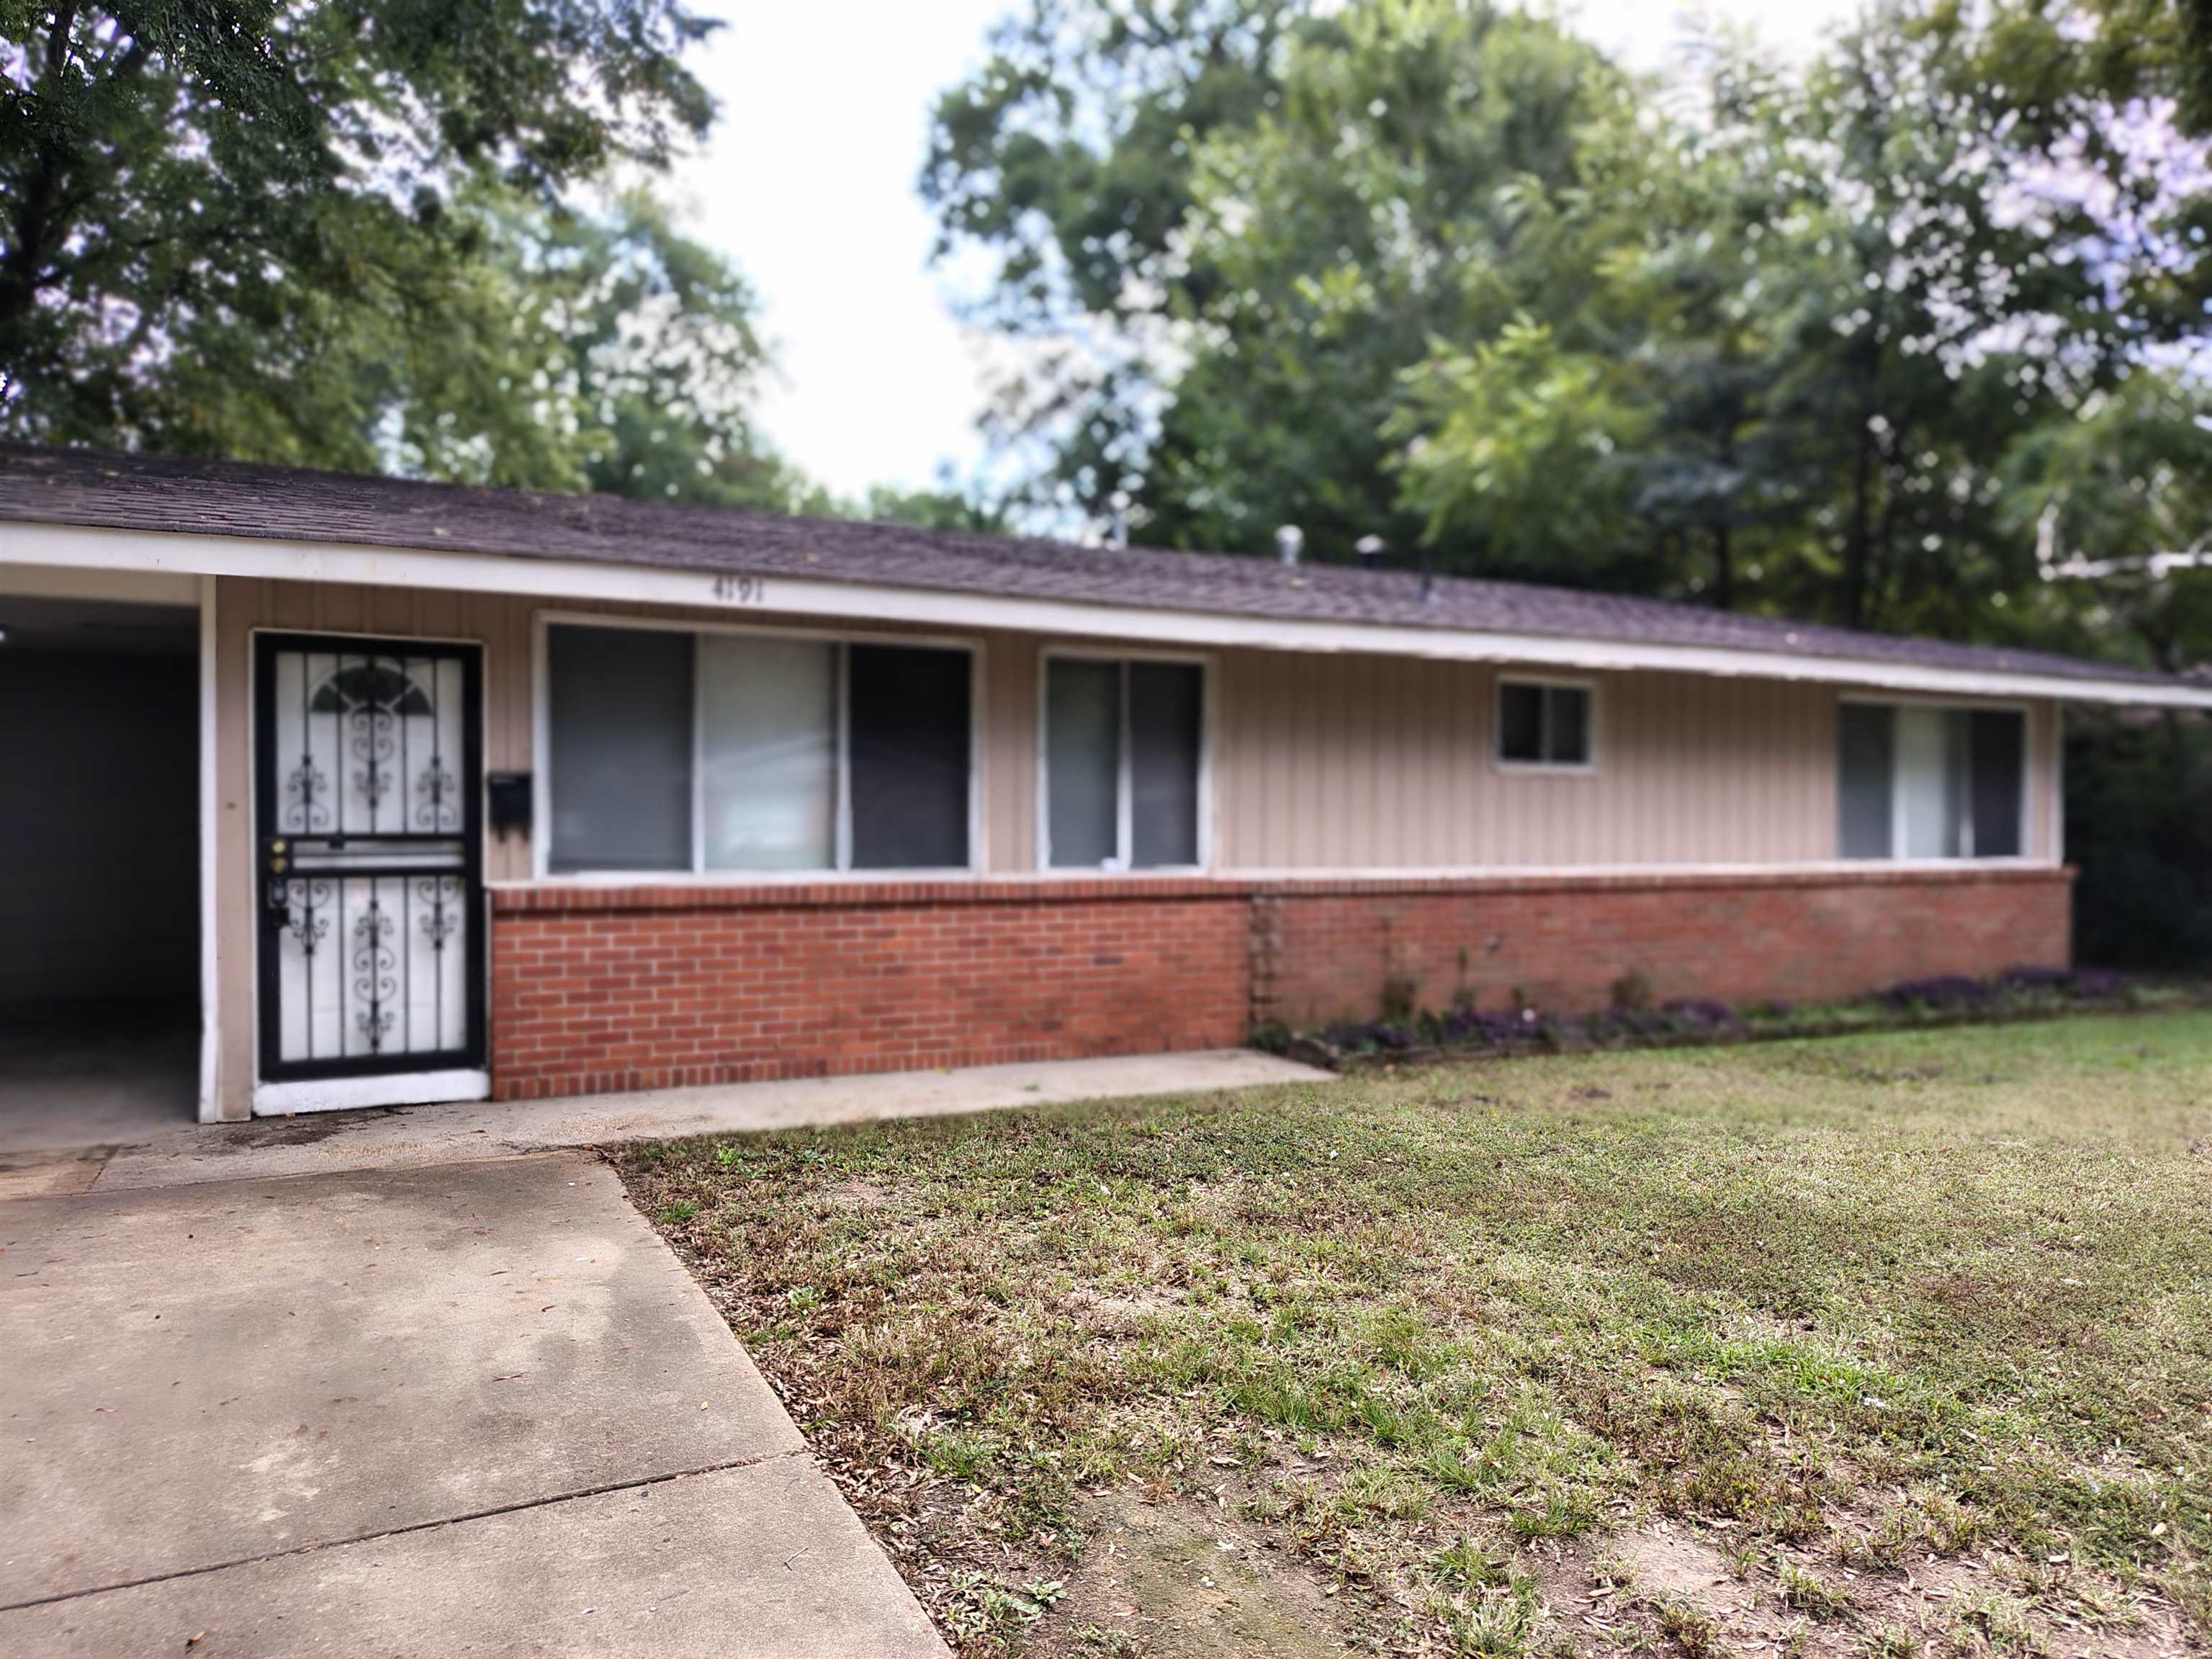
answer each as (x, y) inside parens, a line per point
(1543, 725)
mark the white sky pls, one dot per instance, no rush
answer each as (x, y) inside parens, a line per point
(808, 183)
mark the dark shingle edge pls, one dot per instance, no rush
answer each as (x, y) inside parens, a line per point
(177, 494)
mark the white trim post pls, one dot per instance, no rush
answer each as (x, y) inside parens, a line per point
(210, 1066)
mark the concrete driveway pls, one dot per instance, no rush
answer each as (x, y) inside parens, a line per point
(476, 1408)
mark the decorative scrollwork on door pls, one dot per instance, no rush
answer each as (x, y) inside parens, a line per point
(440, 808)
(440, 899)
(366, 774)
(374, 737)
(376, 969)
(306, 805)
(307, 913)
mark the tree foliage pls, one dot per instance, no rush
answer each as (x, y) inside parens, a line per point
(1437, 271)
(252, 227)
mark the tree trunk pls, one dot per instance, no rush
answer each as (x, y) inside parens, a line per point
(1724, 531)
(36, 231)
(1860, 537)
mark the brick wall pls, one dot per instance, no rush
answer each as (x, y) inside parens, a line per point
(605, 988)
(599, 989)
(1328, 951)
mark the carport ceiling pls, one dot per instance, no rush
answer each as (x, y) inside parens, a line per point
(39, 624)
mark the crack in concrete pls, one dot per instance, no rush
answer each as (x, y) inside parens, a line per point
(317, 1548)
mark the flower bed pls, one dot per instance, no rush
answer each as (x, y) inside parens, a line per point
(2023, 992)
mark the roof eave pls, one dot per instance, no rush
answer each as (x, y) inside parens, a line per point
(554, 580)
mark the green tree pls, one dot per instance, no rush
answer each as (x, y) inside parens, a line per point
(1065, 166)
(1069, 155)
(1419, 180)
(1678, 478)
(946, 506)
(202, 195)
(647, 352)
(1939, 293)
(2054, 60)
(548, 348)
(1323, 194)
(2115, 498)
(1804, 317)
(1523, 447)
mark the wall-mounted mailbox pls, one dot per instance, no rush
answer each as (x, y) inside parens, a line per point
(510, 797)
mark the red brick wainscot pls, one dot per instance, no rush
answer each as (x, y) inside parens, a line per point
(597, 987)
(1330, 951)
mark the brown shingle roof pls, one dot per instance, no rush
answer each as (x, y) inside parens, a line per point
(229, 498)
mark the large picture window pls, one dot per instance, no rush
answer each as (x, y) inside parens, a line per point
(1922, 781)
(1122, 754)
(713, 752)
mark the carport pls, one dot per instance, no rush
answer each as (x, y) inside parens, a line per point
(101, 933)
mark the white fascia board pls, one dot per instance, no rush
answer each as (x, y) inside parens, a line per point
(740, 594)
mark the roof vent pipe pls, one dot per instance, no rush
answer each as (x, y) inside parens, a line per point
(1117, 532)
(1288, 540)
(1370, 550)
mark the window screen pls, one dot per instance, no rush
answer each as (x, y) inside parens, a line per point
(619, 713)
(1864, 769)
(1541, 725)
(768, 753)
(1997, 741)
(1083, 761)
(1164, 701)
(909, 734)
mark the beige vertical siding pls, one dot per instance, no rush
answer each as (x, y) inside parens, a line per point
(1351, 763)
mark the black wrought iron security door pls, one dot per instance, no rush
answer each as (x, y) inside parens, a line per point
(369, 846)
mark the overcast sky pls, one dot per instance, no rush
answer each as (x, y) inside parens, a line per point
(808, 183)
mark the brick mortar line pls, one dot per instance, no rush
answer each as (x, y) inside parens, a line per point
(561, 899)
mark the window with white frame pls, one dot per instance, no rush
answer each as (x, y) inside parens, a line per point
(1543, 723)
(681, 750)
(1122, 749)
(1918, 781)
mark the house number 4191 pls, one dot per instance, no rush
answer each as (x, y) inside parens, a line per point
(740, 590)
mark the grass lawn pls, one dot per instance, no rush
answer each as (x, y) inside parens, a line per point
(1870, 1345)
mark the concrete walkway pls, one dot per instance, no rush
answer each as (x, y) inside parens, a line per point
(395, 1383)
(477, 1408)
(421, 1136)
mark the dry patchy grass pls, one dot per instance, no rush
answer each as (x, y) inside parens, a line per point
(1878, 1345)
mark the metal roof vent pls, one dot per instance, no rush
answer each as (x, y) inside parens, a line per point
(1370, 550)
(1289, 540)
